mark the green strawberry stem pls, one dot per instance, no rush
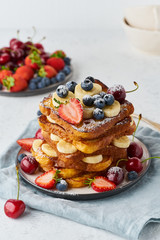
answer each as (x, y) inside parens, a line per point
(137, 86)
(89, 181)
(139, 119)
(8, 82)
(148, 159)
(35, 58)
(120, 160)
(18, 182)
(42, 72)
(55, 177)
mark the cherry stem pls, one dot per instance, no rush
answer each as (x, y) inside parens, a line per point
(137, 86)
(148, 159)
(18, 31)
(120, 160)
(34, 33)
(18, 182)
(41, 39)
(139, 119)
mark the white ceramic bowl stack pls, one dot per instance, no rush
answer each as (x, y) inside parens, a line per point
(142, 26)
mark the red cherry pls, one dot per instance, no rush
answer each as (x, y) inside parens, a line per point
(134, 164)
(12, 41)
(39, 134)
(20, 63)
(39, 46)
(135, 150)
(4, 58)
(115, 174)
(17, 54)
(29, 164)
(44, 57)
(14, 208)
(5, 50)
(17, 45)
(10, 65)
(118, 92)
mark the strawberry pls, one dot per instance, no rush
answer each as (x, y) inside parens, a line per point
(47, 71)
(4, 74)
(56, 63)
(33, 60)
(26, 143)
(25, 72)
(46, 180)
(101, 184)
(39, 134)
(58, 54)
(15, 83)
(71, 112)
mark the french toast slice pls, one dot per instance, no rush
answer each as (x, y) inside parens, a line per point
(87, 129)
(85, 145)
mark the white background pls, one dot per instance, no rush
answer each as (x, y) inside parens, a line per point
(90, 31)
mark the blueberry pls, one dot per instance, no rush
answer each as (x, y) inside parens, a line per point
(53, 80)
(35, 80)
(0, 86)
(102, 94)
(41, 84)
(21, 156)
(88, 100)
(71, 85)
(87, 85)
(96, 97)
(98, 114)
(66, 70)
(62, 91)
(67, 60)
(99, 103)
(132, 175)
(60, 77)
(62, 185)
(109, 99)
(39, 113)
(91, 79)
(46, 81)
(32, 86)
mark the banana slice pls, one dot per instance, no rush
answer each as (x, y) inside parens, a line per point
(93, 159)
(48, 150)
(36, 144)
(88, 112)
(80, 93)
(122, 142)
(54, 137)
(50, 119)
(113, 110)
(62, 100)
(65, 147)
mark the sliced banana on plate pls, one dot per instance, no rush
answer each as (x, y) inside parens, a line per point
(62, 100)
(48, 150)
(93, 159)
(36, 144)
(122, 142)
(54, 137)
(65, 147)
(80, 93)
(113, 110)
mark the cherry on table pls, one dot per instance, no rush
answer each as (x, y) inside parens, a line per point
(13, 208)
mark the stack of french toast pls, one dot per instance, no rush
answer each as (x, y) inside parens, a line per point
(83, 135)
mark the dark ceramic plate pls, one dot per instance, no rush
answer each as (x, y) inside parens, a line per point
(29, 92)
(86, 193)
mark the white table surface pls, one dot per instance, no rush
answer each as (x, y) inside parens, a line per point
(106, 55)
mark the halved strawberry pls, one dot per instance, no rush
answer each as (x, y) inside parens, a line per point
(39, 134)
(71, 112)
(46, 180)
(26, 143)
(101, 184)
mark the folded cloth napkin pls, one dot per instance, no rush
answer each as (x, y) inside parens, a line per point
(124, 214)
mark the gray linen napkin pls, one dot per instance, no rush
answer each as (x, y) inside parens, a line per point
(124, 214)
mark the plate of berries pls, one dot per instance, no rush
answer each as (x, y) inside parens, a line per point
(26, 69)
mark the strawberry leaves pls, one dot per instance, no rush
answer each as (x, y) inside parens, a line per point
(8, 82)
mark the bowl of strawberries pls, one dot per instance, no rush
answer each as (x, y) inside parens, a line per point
(26, 69)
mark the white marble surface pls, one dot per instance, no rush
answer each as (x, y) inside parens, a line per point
(104, 54)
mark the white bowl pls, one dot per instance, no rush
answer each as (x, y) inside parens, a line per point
(144, 17)
(144, 40)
